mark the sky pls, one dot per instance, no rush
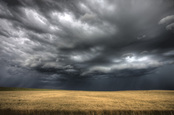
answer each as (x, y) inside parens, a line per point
(87, 44)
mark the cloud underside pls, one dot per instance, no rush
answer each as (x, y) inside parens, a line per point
(87, 38)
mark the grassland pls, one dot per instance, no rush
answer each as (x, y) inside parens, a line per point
(62, 102)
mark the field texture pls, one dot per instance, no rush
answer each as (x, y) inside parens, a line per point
(60, 102)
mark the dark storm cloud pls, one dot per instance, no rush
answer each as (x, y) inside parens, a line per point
(12, 3)
(69, 40)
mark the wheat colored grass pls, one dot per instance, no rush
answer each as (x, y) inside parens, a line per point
(154, 100)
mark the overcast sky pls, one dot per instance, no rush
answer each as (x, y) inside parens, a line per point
(87, 44)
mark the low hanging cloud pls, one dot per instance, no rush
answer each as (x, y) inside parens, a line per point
(85, 39)
(130, 63)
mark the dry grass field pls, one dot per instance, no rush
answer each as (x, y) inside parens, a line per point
(62, 102)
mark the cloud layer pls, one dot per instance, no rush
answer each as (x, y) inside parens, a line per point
(65, 40)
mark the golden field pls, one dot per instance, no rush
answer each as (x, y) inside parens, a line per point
(55, 102)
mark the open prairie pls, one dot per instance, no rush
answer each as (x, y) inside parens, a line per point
(45, 102)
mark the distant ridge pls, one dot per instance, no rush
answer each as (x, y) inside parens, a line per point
(22, 89)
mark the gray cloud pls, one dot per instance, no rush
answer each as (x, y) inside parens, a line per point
(168, 21)
(65, 40)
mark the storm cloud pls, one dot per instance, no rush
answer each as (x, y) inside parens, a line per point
(69, 44)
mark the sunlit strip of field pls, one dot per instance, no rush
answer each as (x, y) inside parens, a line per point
(63, 102)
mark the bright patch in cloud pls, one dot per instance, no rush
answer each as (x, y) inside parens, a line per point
(136, 59)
